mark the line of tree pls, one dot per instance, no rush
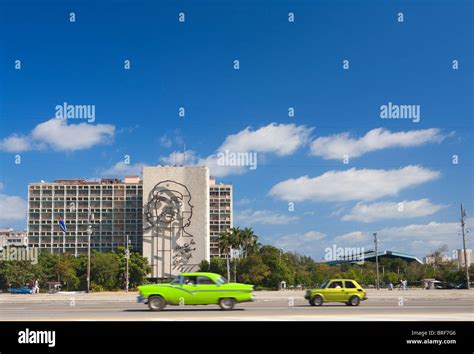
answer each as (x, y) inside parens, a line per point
(267, 266)
(108, 271)
(245, 260)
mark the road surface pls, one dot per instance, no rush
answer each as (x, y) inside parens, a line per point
(414, 305)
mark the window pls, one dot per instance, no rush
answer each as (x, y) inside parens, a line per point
(221, 280)
(335, 284)
(177, 280)
(205, 281)
(189, 281)
(350, 285)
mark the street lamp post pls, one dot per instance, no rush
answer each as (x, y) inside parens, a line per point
(376, 241)
(127, 256)
(89, 233)
(466, 265)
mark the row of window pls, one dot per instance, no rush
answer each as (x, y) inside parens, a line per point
(86, 210)
(44, 234)
(73, 245)
(46, 187)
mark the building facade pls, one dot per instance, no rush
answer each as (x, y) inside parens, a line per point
(221, 216)
(175, 218)
(460, 257)
(112, 208)
(12, 238)
(432, 259)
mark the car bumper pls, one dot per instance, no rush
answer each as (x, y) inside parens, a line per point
(141, 300)
(249, 300)
(364, 298)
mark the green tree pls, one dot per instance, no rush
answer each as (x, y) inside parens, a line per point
(17, 273)
(65, 272)
(252, 270)
(204, 266)
(217, 265)
(138, 267)
(391, 277)
(225, 244)
(105, 270)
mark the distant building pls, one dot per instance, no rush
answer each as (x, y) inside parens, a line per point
(460, 259)
(220, 208)
(431, 259)
(115, 205)
(370, 256)
(10, 237)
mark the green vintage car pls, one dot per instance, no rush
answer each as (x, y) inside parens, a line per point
(197, 288)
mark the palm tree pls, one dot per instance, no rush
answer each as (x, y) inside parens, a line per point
(248, 240)
(224, 247)
(240, 240)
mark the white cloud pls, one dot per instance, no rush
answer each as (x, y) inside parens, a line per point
(305, 243)
(352, 184)
(15, 143)
(12, 208)
(280, 139)
(351, 238)
(165, 141)
(421, 239)
(265, 217)
(121, 169)
(216, 169)
(219, 170)
(338, 145)
(180, 158)
(415, 239)
(57, 134)
(391, 210)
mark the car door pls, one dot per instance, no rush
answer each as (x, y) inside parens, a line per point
(334, 291)
(208, 291)
(187, 291)
(349, 289)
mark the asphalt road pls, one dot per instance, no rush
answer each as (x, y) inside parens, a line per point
(267, 307)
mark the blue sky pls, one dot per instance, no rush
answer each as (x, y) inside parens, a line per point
(282, 64)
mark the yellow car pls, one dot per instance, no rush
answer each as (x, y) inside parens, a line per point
(347, 291)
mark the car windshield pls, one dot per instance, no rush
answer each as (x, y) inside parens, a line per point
(221, 280)
(177, 280)
(323, 285)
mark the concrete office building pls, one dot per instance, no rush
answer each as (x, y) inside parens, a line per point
(461, 261)
(221, 216)
(175, 218)
(116, 207)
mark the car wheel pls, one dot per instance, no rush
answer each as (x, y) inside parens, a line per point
(354, 301)
(227, 303)
(316, 301)
(156, 303)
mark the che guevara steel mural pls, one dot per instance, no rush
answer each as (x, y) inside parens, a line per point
(168, 213)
